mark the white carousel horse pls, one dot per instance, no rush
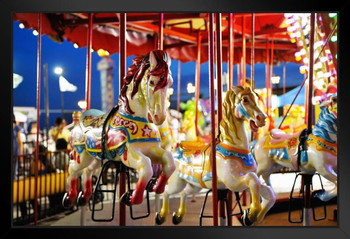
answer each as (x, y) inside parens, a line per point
(277, 150)
(131, 135)
(236, 169)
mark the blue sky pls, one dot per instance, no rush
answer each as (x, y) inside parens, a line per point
(74, 62)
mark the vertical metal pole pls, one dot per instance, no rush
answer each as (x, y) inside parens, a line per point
(212, 117)
(308, 178)
(219, 65)
(38, 70)
(271, 70)
(231, 48)
(219, 95)
(267, 79)
(160, 33)
(178, 85)
(230, 74)
(160, 47)
(88, 64)
(284, 84)
(243, 51)
(122, 67)
(311, 71)
(198, 80)
(47, 113)
(253, 52)
(87, 91)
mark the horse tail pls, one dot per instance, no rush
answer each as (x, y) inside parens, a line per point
(104, 149)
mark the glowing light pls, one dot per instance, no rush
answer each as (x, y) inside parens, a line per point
(191, 88)
(290, 21)
(58, 70)
(35, 33)
(275, 79)
(323, 59)
(21, 25)
(332, 15)
(318, 65)
(76, 45)
(82, 104)
(102, 53)
(334, 38)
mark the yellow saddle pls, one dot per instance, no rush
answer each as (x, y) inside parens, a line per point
(198, 145)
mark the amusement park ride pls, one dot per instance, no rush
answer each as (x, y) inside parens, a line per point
(231, 159)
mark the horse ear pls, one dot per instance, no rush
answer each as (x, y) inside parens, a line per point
(237, 89)
(167, 59)
(152, 60)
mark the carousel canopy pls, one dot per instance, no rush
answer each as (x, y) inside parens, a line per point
(180, 33)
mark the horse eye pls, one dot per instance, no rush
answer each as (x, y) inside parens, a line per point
(245, 99)
(151, 82)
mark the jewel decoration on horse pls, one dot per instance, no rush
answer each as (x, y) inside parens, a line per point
(317, 154)
(236, 169)
(128, 133)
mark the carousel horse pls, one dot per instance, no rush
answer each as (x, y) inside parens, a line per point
(318, 153)
(236, 169)
(128, 133)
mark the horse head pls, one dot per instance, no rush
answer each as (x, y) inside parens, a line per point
(156, 86)
(149, 77)
(246, 106)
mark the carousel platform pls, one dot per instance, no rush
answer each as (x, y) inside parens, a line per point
(278, 215)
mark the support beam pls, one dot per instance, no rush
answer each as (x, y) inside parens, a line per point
(198, 81)
(231, 48)
(212, 117)
(122, 67)
(38, 86)
(88, 63)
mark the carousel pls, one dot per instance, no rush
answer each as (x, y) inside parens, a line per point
(235, 149)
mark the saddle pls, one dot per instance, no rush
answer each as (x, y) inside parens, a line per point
(279, 139)
(192, 146)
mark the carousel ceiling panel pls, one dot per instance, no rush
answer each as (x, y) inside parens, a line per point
(180, 33)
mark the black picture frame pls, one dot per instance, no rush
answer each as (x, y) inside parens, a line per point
(7, 8)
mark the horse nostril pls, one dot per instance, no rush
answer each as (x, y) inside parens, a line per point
(156, 117)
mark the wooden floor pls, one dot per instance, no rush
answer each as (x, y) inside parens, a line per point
(82, 217)
(277, 216)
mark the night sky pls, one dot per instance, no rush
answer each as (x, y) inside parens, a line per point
(73, 61)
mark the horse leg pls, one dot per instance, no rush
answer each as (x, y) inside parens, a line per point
(143, 165)
(84, 196)
(251, 181)
(328, 173)
(75, 170)
(179, 215)
(168, 167)
(268, 200)
(175, 185)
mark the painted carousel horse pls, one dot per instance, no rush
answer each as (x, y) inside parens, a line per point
(318, 153)
(236, 169)
(128, 133)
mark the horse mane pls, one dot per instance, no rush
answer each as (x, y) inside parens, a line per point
(325, 125)
(137, 70)
(227, 124)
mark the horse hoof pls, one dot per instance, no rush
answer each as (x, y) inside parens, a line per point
(126, 198)
(244, 219)
(159, 219)
(320, 194)
(81, 200)
(151, 184)
(176, 219)
(66, 202)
